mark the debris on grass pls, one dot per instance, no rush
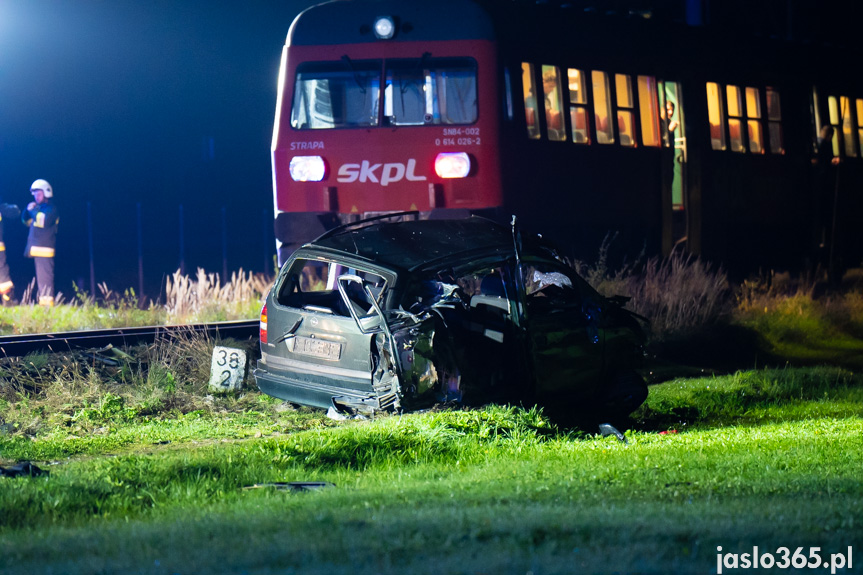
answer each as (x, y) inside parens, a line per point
(23, 469)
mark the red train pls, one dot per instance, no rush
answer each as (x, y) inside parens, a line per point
(581, 124)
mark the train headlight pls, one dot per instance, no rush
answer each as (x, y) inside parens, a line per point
(385, 27)
(452, 165)
(308, 168)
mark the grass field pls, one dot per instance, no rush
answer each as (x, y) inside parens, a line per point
(766, 458)
(149, 474)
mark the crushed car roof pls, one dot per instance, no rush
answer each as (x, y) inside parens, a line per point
(414, 244)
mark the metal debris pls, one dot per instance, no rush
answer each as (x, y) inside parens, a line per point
(606, 429)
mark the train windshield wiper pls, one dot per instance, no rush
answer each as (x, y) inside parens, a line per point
(356, 74)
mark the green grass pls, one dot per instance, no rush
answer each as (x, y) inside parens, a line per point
(149, 473)
(808, 330)
(497, 490)
(753, 397)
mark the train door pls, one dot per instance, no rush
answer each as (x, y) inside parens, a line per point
(674, 157)
(837, 133)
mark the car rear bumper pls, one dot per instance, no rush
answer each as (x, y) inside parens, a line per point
(305, 392)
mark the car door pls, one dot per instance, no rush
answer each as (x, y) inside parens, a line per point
(563, 333)
(316, 339)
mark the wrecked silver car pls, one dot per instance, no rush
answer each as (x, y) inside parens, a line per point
(398, 316)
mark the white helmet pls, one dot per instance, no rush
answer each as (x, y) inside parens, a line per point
(44, 186)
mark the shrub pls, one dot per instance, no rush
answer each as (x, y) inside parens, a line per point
(204, 298)
(678, 294)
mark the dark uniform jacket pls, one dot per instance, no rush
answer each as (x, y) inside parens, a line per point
(6, 211)
(42, 220)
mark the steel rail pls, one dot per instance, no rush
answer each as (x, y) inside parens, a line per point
(22, 344)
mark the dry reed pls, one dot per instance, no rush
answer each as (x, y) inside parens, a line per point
(204, 297)
(678, 294)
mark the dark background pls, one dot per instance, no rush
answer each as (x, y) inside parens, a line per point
(143, 106)
(159, 103)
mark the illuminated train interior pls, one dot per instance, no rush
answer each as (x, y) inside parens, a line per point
(586, 126)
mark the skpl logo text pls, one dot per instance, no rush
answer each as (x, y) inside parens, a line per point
(384, 174)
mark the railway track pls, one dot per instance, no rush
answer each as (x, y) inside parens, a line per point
(22, 344)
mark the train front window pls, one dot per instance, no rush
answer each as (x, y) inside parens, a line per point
(430, 91)
(342, 94)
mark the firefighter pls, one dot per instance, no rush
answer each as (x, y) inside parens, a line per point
(41, 217)
(7, 288)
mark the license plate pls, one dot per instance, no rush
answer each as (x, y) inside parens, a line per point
(317, 347)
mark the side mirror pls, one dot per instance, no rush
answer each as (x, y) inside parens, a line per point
(366, 324)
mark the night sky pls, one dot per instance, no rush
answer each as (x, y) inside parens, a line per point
(161, 103)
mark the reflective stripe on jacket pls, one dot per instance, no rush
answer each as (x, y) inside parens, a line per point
(42, 220)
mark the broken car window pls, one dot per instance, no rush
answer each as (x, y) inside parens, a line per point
(311, 285)
(549, 282)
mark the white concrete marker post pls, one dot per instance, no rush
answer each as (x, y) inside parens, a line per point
(228, 369)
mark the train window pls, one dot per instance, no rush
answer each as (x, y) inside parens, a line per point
(860, 122)
(847, 115)
(336, 95)
(625, 109)
(715, 116)
(818, 123)
(753, 121)
(578, 106)
(774, 122)
(833, 109)
(648, 111)
(430, 91)
(531, 112)
(735, 117)
(816, 118)
(602, 107)
(553, 97)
